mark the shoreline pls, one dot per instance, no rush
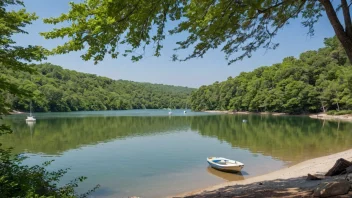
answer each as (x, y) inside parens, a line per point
(248, 112)
(324, 116)
(321, 116)
(290, 177)
(16, 112)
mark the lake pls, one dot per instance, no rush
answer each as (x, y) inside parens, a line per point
(150, 154)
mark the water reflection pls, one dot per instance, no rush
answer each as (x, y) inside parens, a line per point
(54, 136)
(30, 124)
(225, 175)
(31, 129)
(288, 138)
(167, 147)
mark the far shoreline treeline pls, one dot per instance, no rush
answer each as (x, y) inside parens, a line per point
(317, 81)
(56, 89)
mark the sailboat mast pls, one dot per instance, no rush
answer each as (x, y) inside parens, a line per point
(30, 108)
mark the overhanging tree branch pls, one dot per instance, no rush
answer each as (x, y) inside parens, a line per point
(271, 7)
(209, 24)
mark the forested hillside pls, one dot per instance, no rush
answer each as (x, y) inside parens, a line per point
(58, 89)
(317, 81)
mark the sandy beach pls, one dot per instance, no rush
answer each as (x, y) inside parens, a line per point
(16, 112)
(286, 182)
(324, 116)
(216, 111)
(246, 112)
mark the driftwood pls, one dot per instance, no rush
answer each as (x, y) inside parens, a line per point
(339, 167)
(312, 177)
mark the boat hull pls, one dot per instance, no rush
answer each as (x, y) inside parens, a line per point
(30, 119)
(226, 169)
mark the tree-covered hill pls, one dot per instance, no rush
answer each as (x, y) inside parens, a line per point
(58, 89)
(317, 81)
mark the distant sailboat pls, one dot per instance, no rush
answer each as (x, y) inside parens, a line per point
(185, 111)
(170, 112)
(30, 118)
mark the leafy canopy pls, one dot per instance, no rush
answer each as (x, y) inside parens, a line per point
(123, 27)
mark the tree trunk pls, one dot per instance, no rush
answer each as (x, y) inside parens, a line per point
(347, 18)
(322, 105)
(343, 37)
(337, 103)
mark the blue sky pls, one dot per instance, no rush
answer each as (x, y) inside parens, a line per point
(213, 67)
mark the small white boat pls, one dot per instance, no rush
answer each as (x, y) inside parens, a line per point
(170, 110)
(224, 164)
(30, 118)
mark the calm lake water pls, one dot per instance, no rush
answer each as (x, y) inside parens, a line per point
(150, 154)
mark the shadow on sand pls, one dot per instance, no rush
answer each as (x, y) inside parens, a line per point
(293, 187)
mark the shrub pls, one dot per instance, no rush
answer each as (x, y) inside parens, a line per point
(342, 112)
(18, 180)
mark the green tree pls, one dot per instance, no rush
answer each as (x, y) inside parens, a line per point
(14, 57)
(239, 27)
(17, 180)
